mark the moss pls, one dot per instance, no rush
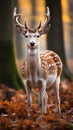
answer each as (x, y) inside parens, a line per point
(9, 73)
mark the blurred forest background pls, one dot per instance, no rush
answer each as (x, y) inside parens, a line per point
(59, 38)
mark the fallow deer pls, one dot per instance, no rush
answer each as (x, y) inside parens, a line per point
(40, 69)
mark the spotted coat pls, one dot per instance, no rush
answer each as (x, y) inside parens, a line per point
(50, 62)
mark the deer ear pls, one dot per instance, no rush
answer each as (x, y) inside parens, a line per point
(20, 29)
(45, 29)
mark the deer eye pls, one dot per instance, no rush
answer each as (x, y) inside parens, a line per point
(38, 36)
(26, 36)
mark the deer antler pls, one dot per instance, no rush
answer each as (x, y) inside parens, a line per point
(43, 28)
(46, 21)
(39, 26)
(16, 17)
(47, 18)
(18, 24)
(25, 27)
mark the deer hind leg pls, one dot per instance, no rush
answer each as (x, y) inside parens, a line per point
(29, 96)
(57, 85)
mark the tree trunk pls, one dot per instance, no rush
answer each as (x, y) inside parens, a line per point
(9, 73)
(55, 39)
(33, 12)
(19, 41)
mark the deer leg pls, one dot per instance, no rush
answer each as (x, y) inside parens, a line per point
(29, 96)
(43, 97)
(57, 85)
(40, 102)
(45, 102)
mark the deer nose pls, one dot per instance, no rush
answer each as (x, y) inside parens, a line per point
(32, 43)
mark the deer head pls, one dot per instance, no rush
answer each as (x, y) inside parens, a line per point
(32, 35)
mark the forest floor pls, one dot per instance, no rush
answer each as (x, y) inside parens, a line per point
(13, 110)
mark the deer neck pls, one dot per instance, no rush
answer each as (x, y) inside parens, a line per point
(33, 59)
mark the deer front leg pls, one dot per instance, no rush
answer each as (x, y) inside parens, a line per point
(57, 85)
(43, 97)
(29, 97)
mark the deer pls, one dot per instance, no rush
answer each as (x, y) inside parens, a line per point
(40, 69)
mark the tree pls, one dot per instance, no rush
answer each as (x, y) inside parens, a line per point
(33, 3)
(55, 39)
(19, 41)
(9, 73)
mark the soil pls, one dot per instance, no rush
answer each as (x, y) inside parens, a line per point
(13, 110)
